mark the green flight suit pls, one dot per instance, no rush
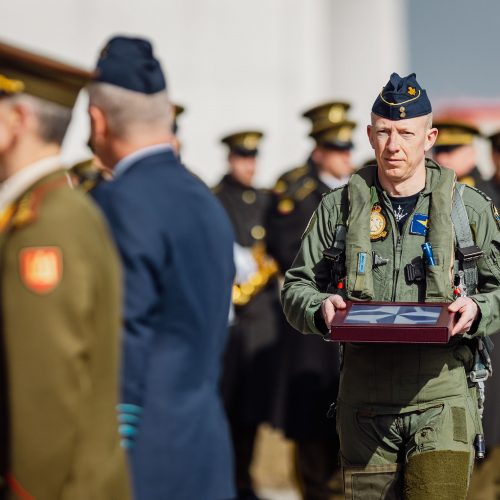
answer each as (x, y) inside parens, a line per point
(60, 284)
(398, 401)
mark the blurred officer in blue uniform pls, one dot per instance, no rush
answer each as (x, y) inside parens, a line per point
(176, 244)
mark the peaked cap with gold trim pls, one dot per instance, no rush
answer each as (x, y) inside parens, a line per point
(327, 114)
(454, 133)
(402, 98)
(40, 76)
(244, 143)
(336, 136)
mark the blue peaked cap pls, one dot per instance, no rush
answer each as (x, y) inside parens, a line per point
(402, 98)
(129, 63)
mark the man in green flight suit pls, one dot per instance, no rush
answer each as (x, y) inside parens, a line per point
(407, 414)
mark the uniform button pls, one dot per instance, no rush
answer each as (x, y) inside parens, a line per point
(257, 232)
(249, 196)
(286, 206)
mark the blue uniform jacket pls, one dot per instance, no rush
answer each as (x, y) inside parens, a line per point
(176, 244)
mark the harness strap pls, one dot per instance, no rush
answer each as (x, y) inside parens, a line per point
(467, 251)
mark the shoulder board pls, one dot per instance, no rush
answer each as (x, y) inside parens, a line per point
(283, 184)
(305, 188)
(27, 210)
(296, 173)
(28, 207)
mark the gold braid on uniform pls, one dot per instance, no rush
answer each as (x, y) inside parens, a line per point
(266, 269)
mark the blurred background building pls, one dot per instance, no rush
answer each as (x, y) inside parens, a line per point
(237, 65)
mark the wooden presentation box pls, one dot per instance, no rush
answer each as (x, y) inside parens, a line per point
(393, 322)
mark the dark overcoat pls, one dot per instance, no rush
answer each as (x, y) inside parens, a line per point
(309, 368)
(250, 367)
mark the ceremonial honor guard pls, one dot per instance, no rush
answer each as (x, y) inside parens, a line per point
(486, 479)
(494, 181)
(250, 359)
(309, 369)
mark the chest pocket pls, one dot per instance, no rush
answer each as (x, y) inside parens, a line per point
(381, 270)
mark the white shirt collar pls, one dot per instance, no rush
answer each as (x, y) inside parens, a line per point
(331, 181)
(125, 163)
(13, 187)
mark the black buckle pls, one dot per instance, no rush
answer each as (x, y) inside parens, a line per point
(332, 254)
(469, 253)
(414, 271)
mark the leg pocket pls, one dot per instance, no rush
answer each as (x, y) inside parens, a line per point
(426, 436)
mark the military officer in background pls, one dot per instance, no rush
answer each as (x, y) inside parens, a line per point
(309, 369)
(249, 368)
(491, 417)
(494, 181)
(455, 149)
(407, 414)
(486, 479)
(61, 297)
(297, 192)
(88, 174)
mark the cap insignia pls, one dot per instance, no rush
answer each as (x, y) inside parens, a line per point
(10, 86)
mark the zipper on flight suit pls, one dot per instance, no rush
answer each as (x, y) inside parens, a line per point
(399, 238)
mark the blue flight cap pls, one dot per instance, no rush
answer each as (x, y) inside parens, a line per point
(129, 63)
(402, 98)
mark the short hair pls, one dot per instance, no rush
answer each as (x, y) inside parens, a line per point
(53, 119)
(127, 110)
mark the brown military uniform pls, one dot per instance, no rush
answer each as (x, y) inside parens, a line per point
(60, 323)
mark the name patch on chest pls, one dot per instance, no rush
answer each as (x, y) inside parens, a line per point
(419, 224)
(361, 262)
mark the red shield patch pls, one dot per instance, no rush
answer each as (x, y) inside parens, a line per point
(41, 268)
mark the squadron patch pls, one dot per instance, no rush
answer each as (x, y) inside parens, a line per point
(419, 224)
(41, 268)
(378, 223)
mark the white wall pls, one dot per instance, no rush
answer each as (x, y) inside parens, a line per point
(233, 63)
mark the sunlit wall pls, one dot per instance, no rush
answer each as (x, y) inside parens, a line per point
(233, 63)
